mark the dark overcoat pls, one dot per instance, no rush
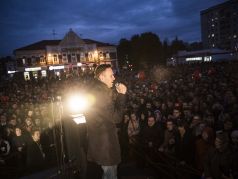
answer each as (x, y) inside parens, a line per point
(103, 143)
(35, 157)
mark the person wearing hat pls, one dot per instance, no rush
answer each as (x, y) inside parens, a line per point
(103, 144)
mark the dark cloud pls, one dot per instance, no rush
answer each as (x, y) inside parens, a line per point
(24, 22)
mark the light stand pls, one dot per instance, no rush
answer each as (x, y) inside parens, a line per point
(75, 131)
(68, 135)
(56, 112)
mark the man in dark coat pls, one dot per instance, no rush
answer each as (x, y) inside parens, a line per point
(218, 162)
(35, 159)
(103, 144)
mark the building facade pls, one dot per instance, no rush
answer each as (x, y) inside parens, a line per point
(70, 52)
(202, 56)
(219, 26)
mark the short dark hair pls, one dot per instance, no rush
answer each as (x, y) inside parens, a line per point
(182, 123)
(100, 68)
(169, 120)
(34, 130)
(223, 136)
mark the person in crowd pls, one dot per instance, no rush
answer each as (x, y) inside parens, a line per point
(176, 116)
(234, 139)
(228, 125)
(48, 143)
(35, 156)
(4, 150)
(151, 137)
(124, 139)
(197, 125)
(202, 145)
(184, 144)
(27, 127)
(142, 121)
(133, 128)
(3, 122)
(218, 162)
(19, 143)
(168, 145)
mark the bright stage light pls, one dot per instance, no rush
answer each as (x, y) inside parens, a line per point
(77, 104)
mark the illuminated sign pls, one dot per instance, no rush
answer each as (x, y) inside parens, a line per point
(33, 69)
(56, 67)
(79, 64)
(26, 76)
(43, 73)
(10, 72)
(207, 59)
(193, 59)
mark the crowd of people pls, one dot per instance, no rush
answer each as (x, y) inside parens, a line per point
(186, 114)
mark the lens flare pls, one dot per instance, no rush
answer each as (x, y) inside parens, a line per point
(79, 103)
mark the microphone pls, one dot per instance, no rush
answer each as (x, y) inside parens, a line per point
(117, 84)
(120, 87)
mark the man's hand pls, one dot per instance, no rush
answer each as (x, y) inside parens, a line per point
(121, 88)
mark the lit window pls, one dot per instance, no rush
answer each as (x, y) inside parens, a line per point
(55, 58)
(235, 36)
(64, 57)
(207, 59)
(42, 59)
(213, 35)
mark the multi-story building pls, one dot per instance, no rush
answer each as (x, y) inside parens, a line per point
(69, 53)
(219, 26)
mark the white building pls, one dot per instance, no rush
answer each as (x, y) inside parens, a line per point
(70, 52)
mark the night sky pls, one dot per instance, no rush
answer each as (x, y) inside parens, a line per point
(27, 21)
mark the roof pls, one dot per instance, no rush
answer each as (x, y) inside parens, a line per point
(202, 52)
(71, 39)
(218, 6)
(41, 45)
(99, 44)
